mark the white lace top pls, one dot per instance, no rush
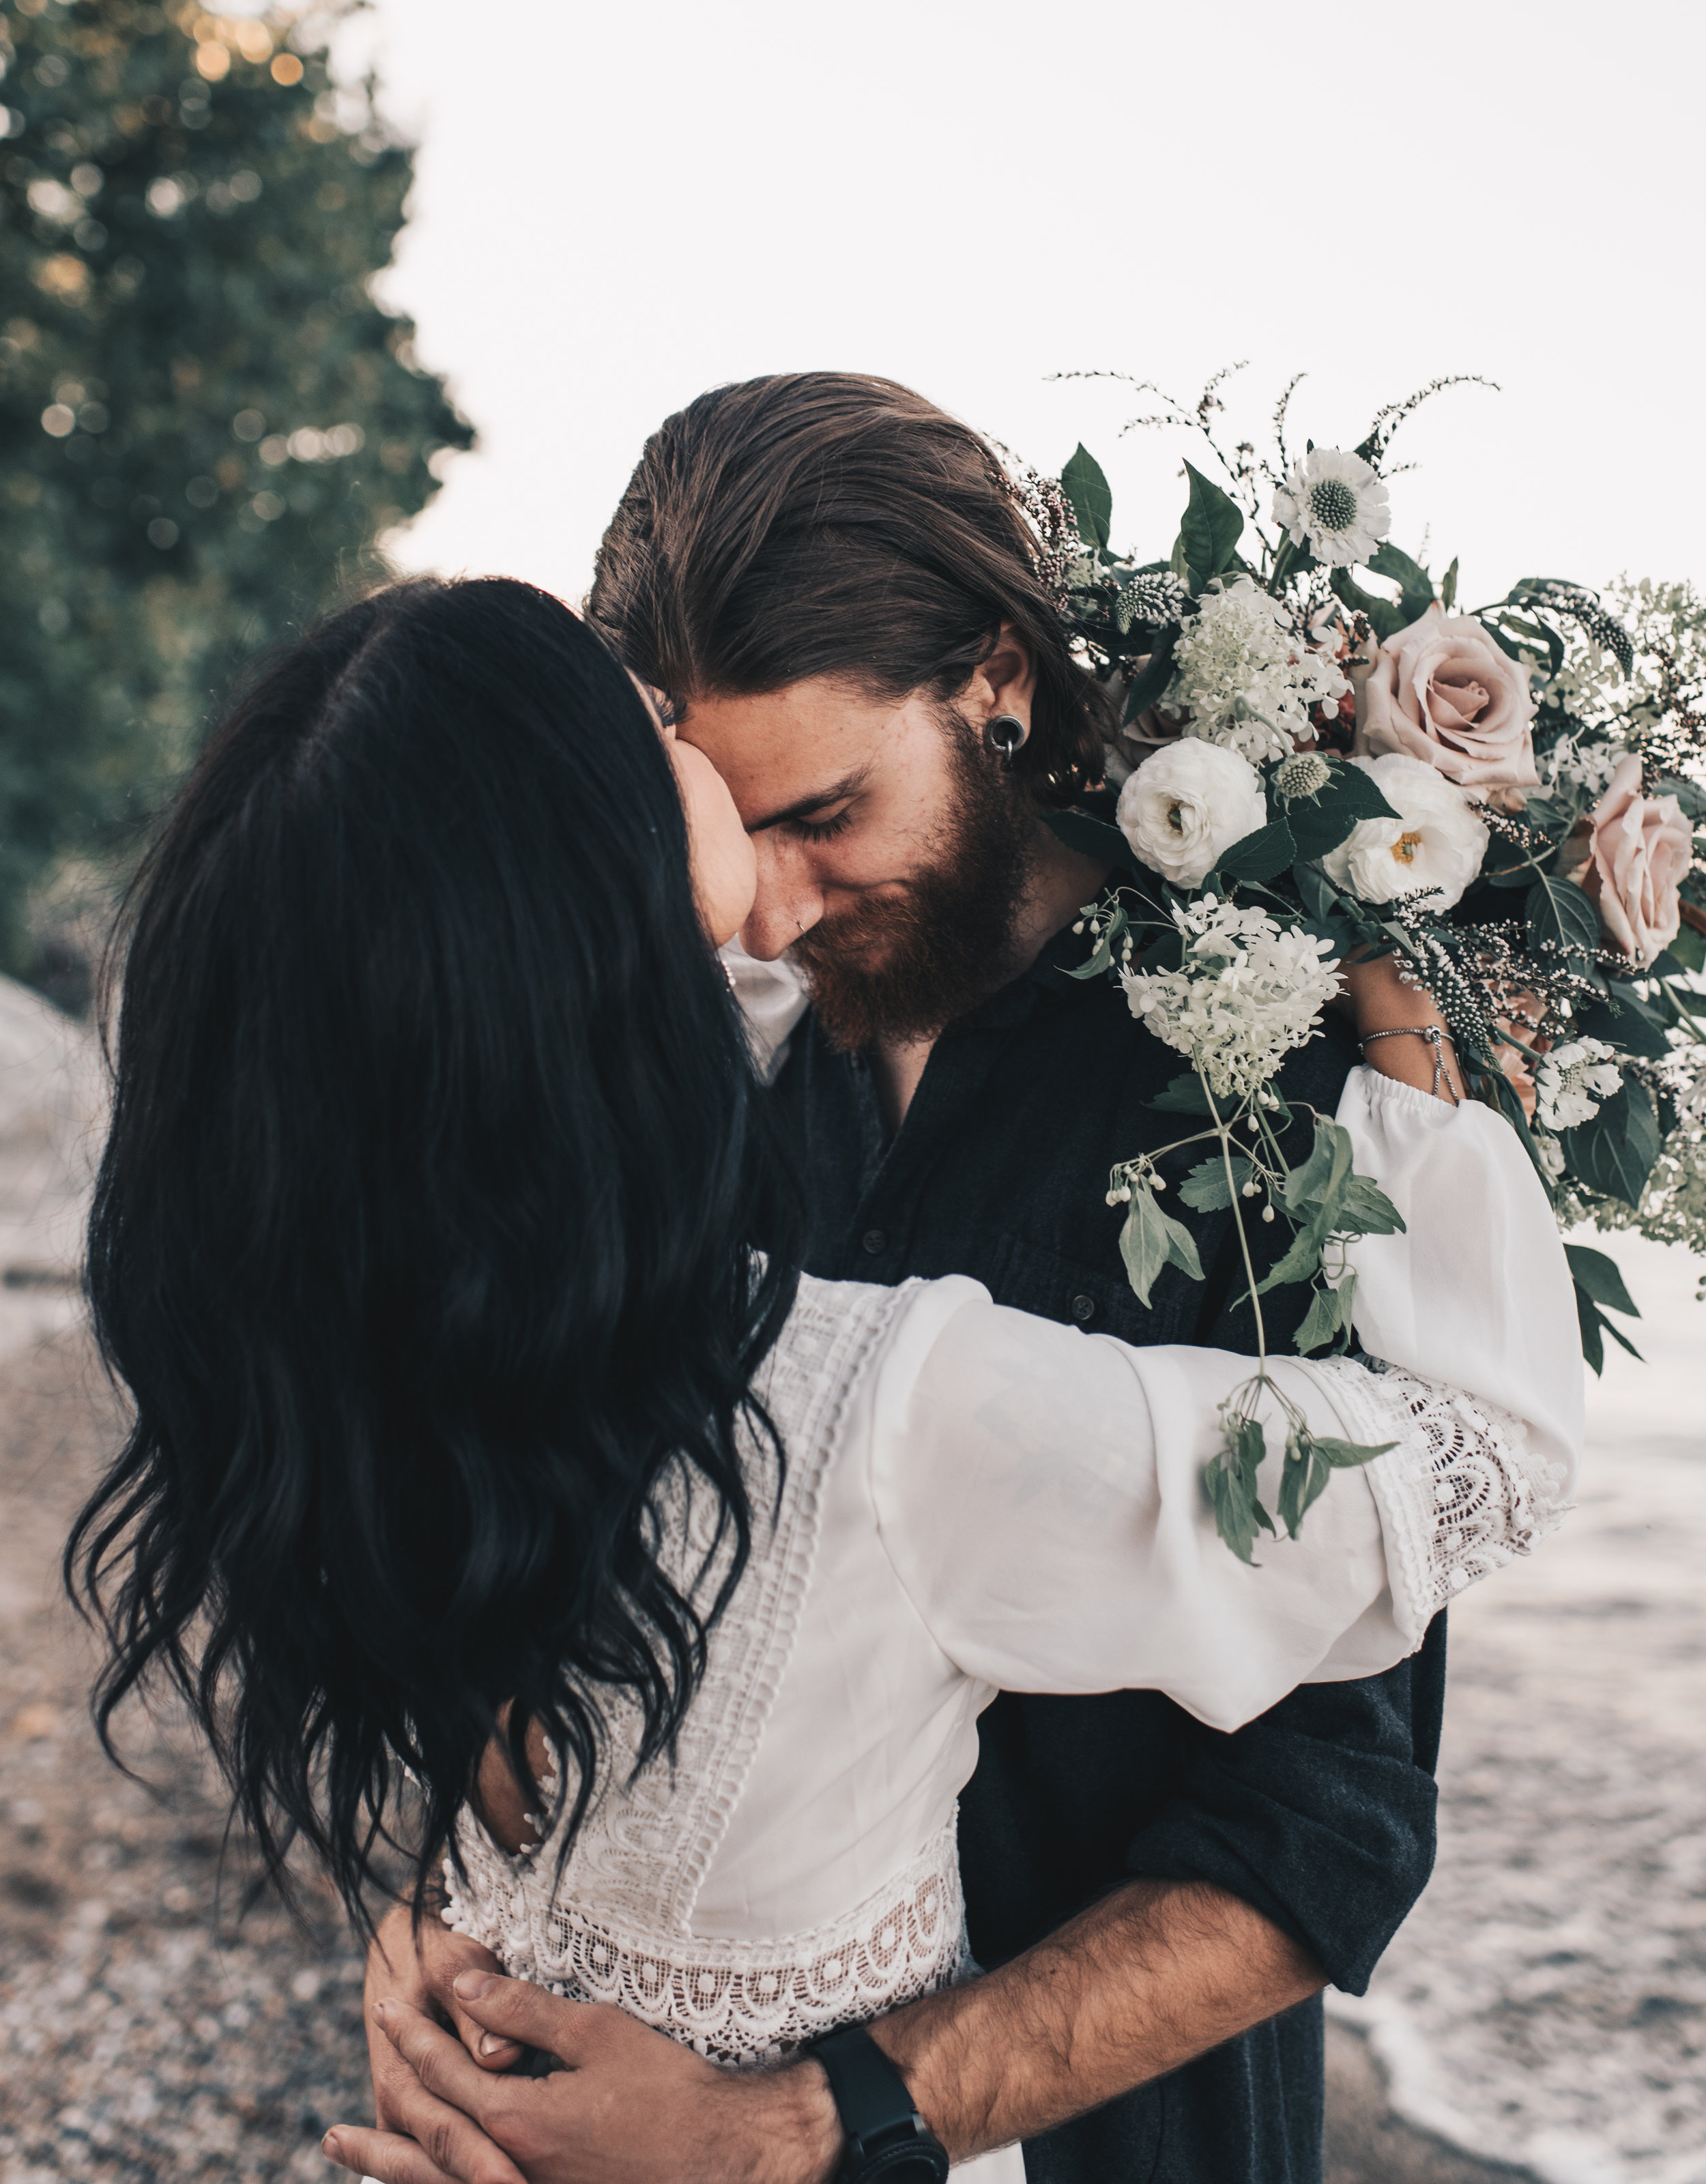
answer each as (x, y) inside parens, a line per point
(977, 1500)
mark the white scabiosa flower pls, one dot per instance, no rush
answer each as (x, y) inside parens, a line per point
(1248, 991)
(1334, 504)
(1186, 804)
(1572, 1082)
(1432, 850)
(1244, 676)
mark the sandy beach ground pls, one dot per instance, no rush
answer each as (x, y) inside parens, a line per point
(1540, 2017)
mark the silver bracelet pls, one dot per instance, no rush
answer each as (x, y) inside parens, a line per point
(1433, 1033)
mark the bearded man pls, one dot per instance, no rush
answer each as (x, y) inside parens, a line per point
(833, 583)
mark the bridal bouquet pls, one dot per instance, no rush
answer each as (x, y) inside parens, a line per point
(1305, 766)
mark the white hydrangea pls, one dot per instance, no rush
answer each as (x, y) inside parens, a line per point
(1581, 763)
(1432, 850)
(1249, 991)
(1334, 502)
(1572, 1082)
(1244, 676)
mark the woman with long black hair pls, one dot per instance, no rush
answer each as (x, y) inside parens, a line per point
(491, 1455)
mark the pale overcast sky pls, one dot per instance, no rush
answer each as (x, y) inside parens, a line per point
(618, 206)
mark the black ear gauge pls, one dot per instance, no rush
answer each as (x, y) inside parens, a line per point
(1006, 735)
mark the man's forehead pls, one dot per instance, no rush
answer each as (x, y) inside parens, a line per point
(786, 751)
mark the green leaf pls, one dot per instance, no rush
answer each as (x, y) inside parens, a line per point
(1149, 685)
(1185, 1096)
(1448, 589)
(1210, 528)
(1348, 1455)
(1626, 1023)
(1260, 856)
(1558, 910)
(1366, 1211)
(1386, 619)
(1324, 1318)
(1319, 1183)
(1093, 838)
(1689, 948)
(1599, 1276)
(1231, 1482)
(1413, 581)
(1614, 1151)
(1320, 823)
(1205, 1189)
(1090, 495)
(1152, 1239)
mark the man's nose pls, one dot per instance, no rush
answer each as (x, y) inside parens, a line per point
(787, 903)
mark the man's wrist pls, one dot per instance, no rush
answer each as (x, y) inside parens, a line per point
(799, 2127)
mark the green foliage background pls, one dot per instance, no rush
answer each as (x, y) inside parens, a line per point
(206, 420)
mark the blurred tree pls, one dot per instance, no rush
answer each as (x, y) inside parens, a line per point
(206, 421)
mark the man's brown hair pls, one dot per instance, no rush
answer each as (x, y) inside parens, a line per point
(825, 523)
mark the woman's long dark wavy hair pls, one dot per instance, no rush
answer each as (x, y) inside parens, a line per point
(425, 1236)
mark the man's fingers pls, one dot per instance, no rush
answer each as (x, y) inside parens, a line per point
(518, 2010)
(444, 1956)
(390, 2160)
(440, 2062)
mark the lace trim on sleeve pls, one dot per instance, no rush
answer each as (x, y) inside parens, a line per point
(1461, 1495)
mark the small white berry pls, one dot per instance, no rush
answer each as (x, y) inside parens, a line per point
(1267, 1213)
(1252, 1190)
(1159, 1182)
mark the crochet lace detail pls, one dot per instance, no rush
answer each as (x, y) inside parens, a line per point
(617, 1925)
(740, 2003)
(1461, 1495)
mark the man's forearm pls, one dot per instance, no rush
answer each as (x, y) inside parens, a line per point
(1154, 1975)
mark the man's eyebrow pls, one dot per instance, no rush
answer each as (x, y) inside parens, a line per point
(849, 785)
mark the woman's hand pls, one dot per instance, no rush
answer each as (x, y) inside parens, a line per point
(417, 1969)
(622, 2110)
(1380, 1001)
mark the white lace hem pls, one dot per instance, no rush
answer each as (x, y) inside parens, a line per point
(1461, 1495)
(738, 2003)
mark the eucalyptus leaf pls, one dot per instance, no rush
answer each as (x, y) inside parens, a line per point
(1090, 495)
(1210, 527)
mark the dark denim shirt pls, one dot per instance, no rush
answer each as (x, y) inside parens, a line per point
(1321, 1812)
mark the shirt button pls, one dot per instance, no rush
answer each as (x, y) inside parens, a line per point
(1083, 1307)
(874, 1241)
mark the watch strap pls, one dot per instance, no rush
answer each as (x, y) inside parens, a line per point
(871, 2098)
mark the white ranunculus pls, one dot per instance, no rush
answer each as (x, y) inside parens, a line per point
(1187, 804)
(1335, 504)
(1433, 848)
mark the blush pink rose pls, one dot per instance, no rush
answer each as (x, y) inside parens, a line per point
(1442, 691)
(1639, 848)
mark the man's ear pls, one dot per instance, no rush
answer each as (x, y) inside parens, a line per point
(1005, 682)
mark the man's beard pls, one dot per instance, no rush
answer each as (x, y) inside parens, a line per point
(942, 944)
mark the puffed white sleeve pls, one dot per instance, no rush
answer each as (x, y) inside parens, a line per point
(1038, 1491)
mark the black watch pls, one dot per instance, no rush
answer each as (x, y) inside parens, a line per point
(887, 2135)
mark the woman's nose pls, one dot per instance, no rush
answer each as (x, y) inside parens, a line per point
(787, 903)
